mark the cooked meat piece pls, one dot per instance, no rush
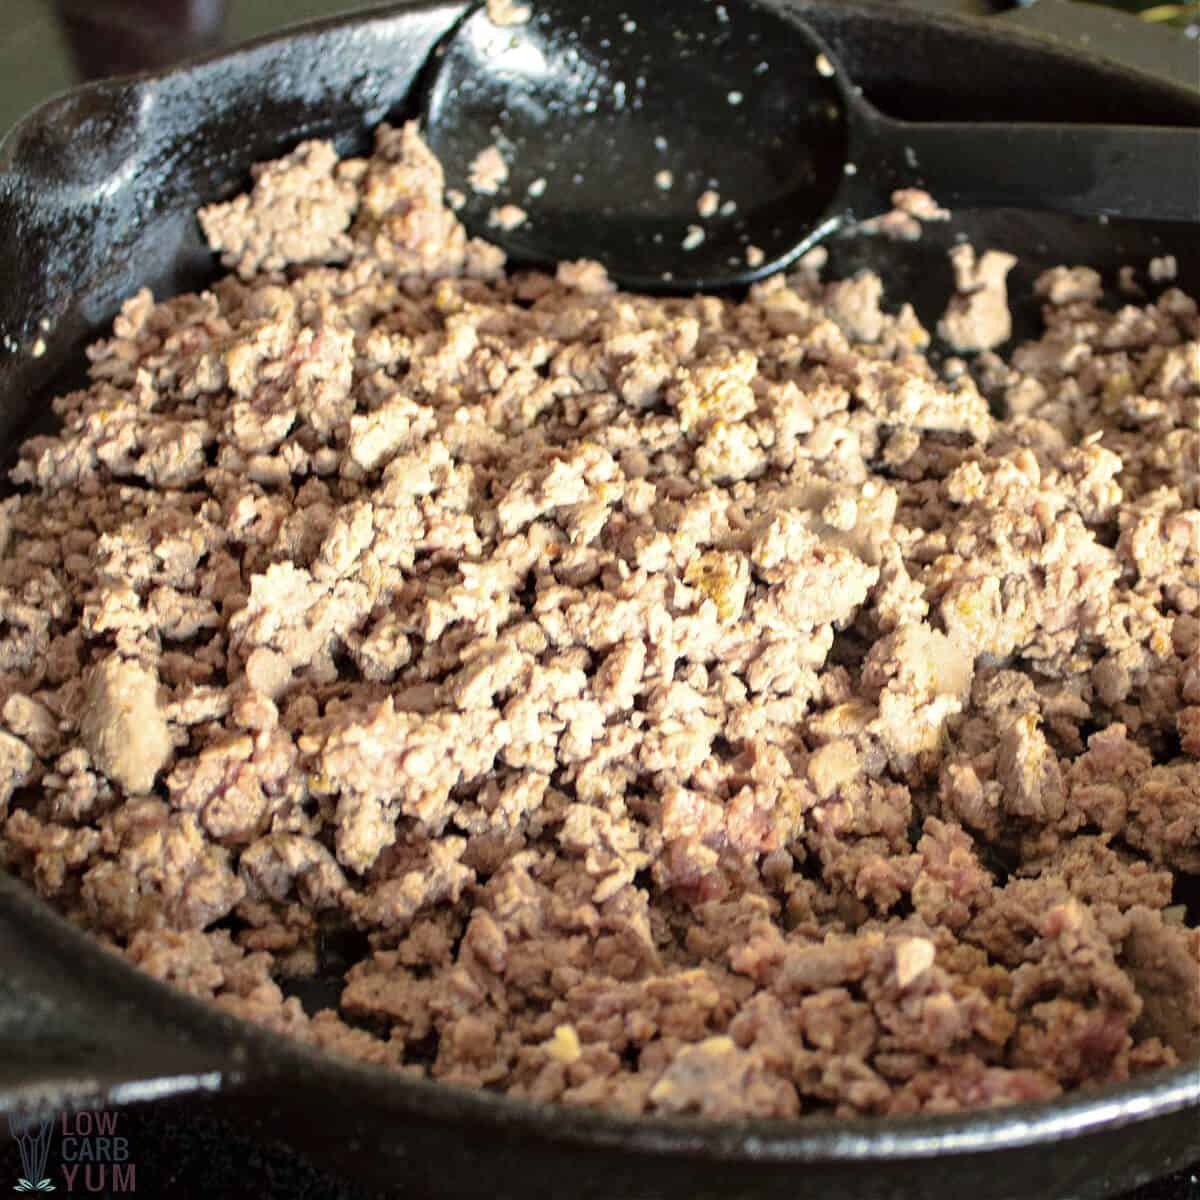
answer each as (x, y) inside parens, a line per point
(122, 725)
(508, 12)
(978, 317)
(298, 211)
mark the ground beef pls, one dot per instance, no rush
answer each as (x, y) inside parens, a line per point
(977, 318)
(689, 706)
(488, 171)
(911, 208)
(121, 725)
(508, 12)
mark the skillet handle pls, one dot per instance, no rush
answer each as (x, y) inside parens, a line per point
(80, 1027)
(1140, 172)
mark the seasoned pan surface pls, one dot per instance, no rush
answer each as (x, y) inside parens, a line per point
(97, 192)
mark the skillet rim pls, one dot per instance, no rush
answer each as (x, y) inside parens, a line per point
(238, 1056)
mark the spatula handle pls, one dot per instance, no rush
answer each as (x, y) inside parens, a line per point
(1140, 172)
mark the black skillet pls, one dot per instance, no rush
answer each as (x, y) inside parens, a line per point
(96, 197)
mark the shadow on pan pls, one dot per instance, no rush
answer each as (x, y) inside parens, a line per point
(97, 192)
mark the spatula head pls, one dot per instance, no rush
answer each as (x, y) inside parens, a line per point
(683, 143)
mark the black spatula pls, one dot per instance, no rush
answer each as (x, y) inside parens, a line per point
(776, 150)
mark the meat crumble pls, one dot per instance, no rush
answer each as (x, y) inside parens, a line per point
(686, 705)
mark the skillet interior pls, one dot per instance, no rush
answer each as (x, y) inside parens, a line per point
(97, 191)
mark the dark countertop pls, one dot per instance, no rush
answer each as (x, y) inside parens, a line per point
(186, 1149)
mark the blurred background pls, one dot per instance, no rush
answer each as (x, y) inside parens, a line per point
(1183, 16)
(47, 45)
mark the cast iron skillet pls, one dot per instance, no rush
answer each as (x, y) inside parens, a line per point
(97, 190)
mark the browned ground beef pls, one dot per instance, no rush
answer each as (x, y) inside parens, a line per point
(693, 705)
